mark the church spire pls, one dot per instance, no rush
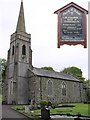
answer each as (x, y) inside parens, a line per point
(21, 20)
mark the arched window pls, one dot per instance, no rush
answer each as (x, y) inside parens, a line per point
(13, 50)
(11, 87)
(50, 87)
(23, 50)
(63, 87)
(75, 89)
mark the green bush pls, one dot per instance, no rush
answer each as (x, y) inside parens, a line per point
(43, 103)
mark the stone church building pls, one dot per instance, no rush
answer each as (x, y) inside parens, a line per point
(24, 82)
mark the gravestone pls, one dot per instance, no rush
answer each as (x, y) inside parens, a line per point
(26, 109)
(45, 114)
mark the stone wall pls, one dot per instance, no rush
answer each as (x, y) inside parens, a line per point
(22, 90)
(40, 85)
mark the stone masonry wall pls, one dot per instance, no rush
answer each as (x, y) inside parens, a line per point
(41, 90)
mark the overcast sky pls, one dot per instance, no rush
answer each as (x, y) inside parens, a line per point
(41, 23)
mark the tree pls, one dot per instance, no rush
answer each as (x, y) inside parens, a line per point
(2, 68)
(47, 68)
(87, 86)
(76, 72)
(2, 71)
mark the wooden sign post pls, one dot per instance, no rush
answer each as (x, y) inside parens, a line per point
(72, 25)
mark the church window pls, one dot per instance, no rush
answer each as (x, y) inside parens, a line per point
(63, 87)
(23, 50)
(50, 87)
(13, 50)
(75, 89)
(11, 87)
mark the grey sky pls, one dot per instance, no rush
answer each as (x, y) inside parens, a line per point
(41, 22)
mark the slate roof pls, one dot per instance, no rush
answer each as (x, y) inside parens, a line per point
(54, 74)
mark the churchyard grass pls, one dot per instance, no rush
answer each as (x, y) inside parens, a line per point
(79, 108)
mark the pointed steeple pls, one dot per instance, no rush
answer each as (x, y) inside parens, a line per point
(21, 21)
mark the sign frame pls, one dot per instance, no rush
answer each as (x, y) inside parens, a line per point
(72, 42)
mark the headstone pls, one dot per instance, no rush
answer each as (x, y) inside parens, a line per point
(45, 114)
(26, 109)
(33, 104)
(30, 107)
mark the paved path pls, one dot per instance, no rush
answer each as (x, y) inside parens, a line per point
(8, 113)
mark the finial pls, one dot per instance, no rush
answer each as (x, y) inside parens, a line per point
(21, 0)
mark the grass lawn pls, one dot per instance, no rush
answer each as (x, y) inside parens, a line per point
(79, 108)
(19, 108)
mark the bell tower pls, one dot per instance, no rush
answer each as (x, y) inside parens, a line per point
(19, 60)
